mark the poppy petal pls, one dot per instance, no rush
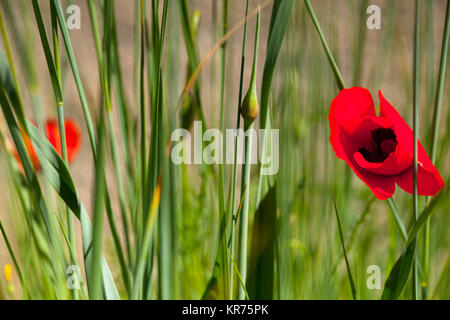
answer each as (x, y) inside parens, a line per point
(52, 133)
(31, 152)
(383, 187)
(428, 183)
(403, 132)
(353, 123)
(72, 137)
(349, 105)
(394, 163)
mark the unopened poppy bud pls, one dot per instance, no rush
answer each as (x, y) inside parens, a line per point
(250, 105)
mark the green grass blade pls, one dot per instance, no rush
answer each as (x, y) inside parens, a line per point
(12, 255)
(341, 237)
(238, 274)
(281, 13)
(95, 276)
(339, 80)
(76, 74)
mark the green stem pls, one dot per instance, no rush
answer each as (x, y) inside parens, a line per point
(102, 63)
(222, 213)
(333, 64)
(62, 130)
(415, 289)
(435, 124)
(398, 220)
(347, 264)
(243, 223)
(245, 185)
(76, 73)
(238, 124)
(95, 279)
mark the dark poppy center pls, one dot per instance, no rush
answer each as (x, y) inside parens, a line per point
(384, 142)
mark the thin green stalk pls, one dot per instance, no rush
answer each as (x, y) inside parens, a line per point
(339, 80)
(62, 130)
(415, 286)
(28, 61)
(435, 124)
(76, 74)
(73, 257)
(156, 159)
(238, 274)
(398, 220)
(238, 125)
(249, 111)
(243, 223)
(12, 255)
(95, 279)
(189, 38)
(440, 87)
(7, 45)
(124, 128)
(359, 44)
(222, 95)
(222, 212)
(103, 71)
(347, 264)
(143, 125)
(136, 53)
(146, 242)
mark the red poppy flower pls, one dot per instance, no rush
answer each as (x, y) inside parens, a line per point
(73, 141)
(379, 149)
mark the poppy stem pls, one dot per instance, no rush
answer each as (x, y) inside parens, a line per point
(223, 214)
(415, 292)
(331, 60)
(435, 126)
(238, 124)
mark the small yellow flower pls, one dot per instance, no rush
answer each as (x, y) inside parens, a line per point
(8, 272)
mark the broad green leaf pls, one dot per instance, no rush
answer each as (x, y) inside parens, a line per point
(399, 274)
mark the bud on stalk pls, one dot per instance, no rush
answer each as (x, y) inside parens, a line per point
(249, 111)
(250, 106)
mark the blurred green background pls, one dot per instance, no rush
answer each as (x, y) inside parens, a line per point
(308, 256)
